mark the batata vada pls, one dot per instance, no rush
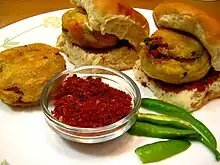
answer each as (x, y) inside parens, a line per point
(24, 71)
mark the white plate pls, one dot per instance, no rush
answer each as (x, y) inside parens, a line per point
(25, 138)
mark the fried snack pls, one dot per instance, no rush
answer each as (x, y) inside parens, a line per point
(181, 64)
(177, 45)
(174, 57)
(106, 33)
(24, 71)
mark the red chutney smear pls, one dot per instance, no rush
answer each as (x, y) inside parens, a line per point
(89, 103)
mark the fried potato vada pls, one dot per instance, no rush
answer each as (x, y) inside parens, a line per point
(175, 71)
(176, 59)
(24, 71)
(179, 45)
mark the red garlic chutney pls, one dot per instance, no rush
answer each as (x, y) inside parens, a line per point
(89, 103)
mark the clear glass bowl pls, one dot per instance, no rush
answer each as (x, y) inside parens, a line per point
(112, 77)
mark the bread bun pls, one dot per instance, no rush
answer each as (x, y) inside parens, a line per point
(113, 17)
(118, 58)
(191, 100)
(186, 18)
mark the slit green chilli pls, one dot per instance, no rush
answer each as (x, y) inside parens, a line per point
(151, 130)
(207, 138)
(164, 120)
(161, 150)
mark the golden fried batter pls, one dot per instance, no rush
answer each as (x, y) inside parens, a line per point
(179, 45)
(24, 71)
(174, 71)
(76, 23)
(174, 57)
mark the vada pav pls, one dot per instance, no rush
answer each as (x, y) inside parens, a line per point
(180, 62)
(99, 32)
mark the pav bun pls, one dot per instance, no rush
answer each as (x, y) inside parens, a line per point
(189, 96)
(121, 58)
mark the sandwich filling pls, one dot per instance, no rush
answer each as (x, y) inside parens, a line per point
(173, 57)
(199, 85)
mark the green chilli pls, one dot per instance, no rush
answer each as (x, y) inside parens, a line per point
(156, 131)
(172, 110)
(161, 150)
(164, 120)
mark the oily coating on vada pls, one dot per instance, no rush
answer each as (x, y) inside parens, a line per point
(24, 71)
(175, 58)
(99, 32)
(179, 62)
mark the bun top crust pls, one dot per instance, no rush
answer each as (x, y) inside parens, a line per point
(187, 18)
(115, 7)
(115, 18)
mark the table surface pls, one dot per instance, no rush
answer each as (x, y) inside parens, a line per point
(15, 10)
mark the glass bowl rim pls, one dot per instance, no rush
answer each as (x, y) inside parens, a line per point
(132, 84)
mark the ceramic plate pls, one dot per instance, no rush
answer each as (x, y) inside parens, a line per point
(25, 138)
